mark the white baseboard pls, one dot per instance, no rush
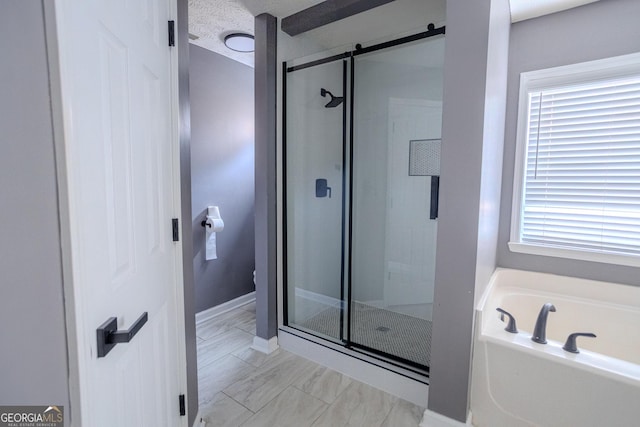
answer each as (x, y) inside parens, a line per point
(320, 298)
(357, 368)
(374, 303)
(212, 312)
(433, 419)
(265, 346)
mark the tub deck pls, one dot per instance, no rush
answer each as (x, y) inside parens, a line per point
(517, 382)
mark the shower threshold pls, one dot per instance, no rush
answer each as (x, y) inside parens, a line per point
(387, 376)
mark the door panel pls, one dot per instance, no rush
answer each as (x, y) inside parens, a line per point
(397, 115)
(116, 80)
(315, 154)
(116, 145)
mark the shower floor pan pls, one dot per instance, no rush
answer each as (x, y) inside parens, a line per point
(383, 330)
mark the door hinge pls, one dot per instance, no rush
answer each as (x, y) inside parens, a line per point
(183, 409)
(175, 229)
(172, 33)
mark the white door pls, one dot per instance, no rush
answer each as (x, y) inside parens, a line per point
(122, 175)
(410, 238)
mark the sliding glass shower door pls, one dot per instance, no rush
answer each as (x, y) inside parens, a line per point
(362, 166)
(315, 177)
(397, 117)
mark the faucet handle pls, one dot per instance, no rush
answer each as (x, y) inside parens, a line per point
(511, 326)
(571, 346)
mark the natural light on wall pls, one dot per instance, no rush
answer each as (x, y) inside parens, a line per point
(577, 180)
(527, 9)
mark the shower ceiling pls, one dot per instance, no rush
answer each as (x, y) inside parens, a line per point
(527, 9)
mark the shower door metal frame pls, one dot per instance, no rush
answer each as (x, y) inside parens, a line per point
(346, 244)
(343, 232)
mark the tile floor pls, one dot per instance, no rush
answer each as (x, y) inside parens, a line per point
(241, 387)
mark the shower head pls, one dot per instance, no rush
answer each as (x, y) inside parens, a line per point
(335, 100)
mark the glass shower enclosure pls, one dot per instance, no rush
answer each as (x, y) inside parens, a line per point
(361, 174)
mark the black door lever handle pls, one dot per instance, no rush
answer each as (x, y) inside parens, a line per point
(109, 335)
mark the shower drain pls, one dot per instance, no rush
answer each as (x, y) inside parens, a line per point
(382, 329)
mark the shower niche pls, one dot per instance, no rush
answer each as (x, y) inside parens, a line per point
(361, 153)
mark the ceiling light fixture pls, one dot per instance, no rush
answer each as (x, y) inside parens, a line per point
(240, 42)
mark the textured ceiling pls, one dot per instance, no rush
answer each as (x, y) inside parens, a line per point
(212, 20)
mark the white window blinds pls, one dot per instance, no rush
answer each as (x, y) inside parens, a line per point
(581, 183)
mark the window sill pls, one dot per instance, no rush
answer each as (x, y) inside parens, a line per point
(582, 255)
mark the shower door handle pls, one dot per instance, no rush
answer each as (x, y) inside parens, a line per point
(435, 196)
(322, 189)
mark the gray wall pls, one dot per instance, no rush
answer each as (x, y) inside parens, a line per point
(492, 148)
(222, 174)
(33, 361)
(266, 54)
(473, 103)
(594, 31)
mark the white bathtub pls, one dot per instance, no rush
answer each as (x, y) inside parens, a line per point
(516, 382)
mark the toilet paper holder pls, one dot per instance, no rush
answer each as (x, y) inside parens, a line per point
(212, 220)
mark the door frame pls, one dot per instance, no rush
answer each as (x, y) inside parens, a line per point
(75, 342)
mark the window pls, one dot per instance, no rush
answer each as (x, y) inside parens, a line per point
(577, 175)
